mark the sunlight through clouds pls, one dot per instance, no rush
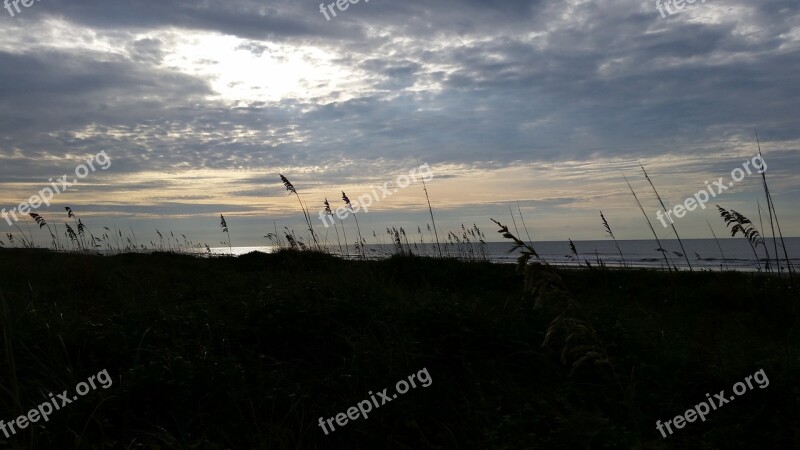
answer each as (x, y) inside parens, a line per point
(243, 72)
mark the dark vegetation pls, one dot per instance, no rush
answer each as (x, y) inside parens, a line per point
(248, 352)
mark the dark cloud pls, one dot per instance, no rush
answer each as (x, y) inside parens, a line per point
(463, 82)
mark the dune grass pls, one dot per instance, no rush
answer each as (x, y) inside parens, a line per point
(249, 352)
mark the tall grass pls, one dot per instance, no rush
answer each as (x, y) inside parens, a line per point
(611, 233)
(43, 223)
(346, 200)
(224, 225)
(739, 224)
(649, 224)
(77, 238)
(774, 213)
(664, 208)
(433, 221)
(467, 244)
(329, 212)
(27, 242)
(522, 219)
(290, 187)
(724, 260)
(574, 251)
(581, 344)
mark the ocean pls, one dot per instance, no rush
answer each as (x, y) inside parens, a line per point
(701, 253)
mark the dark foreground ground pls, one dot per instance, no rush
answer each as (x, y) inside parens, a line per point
(249, 352)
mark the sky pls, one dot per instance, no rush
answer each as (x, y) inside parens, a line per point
(536, 106)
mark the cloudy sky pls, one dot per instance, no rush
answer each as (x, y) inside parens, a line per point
(200, 105)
